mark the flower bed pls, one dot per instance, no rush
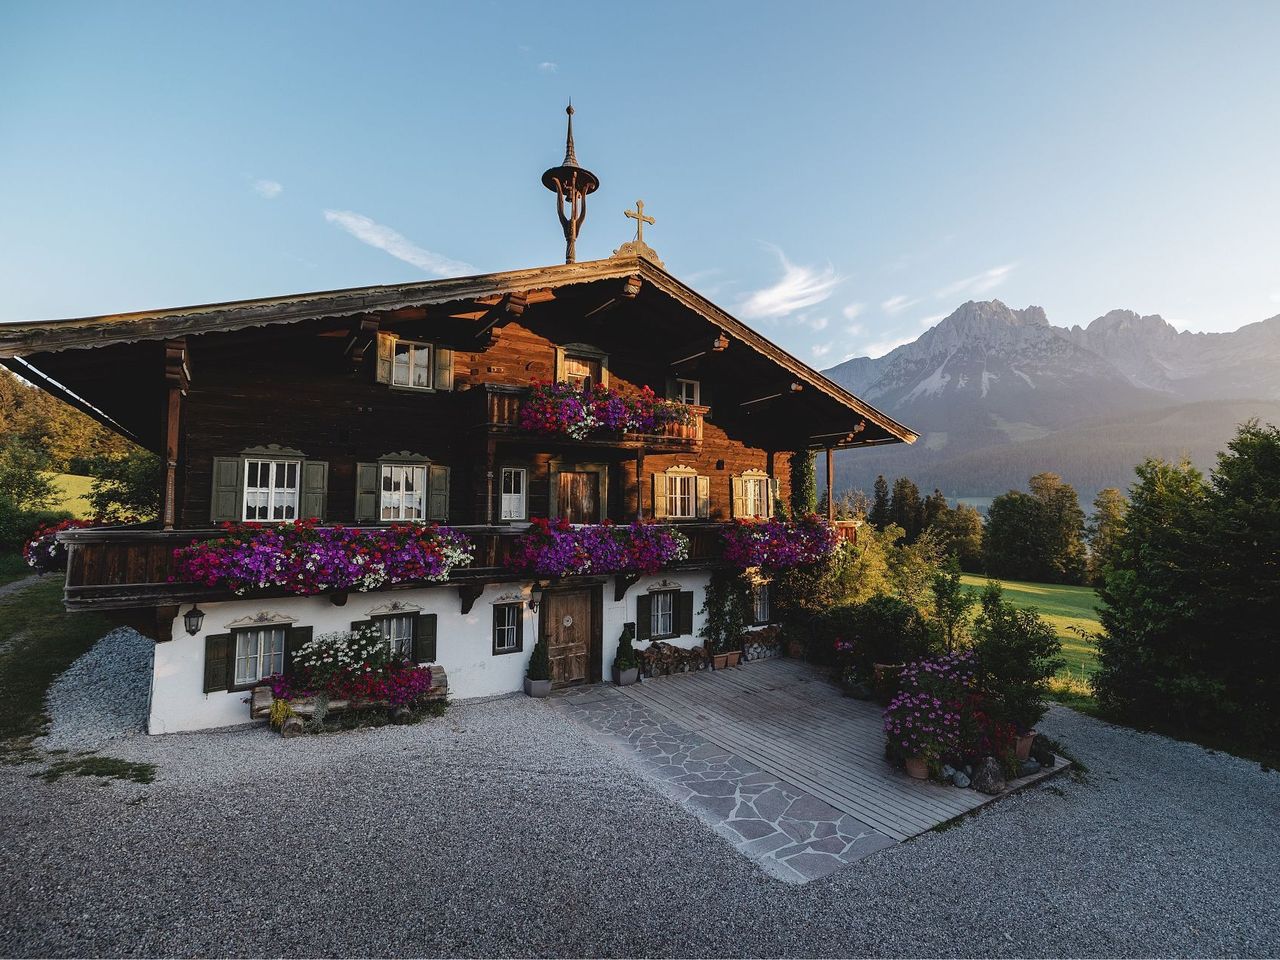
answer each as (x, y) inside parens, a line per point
(556, 548)
(560, 409)
(306, 558)
(778, 544)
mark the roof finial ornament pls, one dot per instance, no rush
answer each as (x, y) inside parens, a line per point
(571, 184)
(637, 247)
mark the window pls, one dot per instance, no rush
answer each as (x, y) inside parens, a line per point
(399, 630)
(411, 365)
(689, 391)
(513, 503)
(259, 653)
(581, 372)
(508, 621)
(760, 602)
(681, 495)
(271, 489)
(404, 492)
(755, 492)
(662, 614)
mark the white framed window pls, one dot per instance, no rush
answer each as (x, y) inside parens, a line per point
(682, 495)
(755, 492)
(760, 608)
(662, 614)
(404, 492)
(689, 391)
(506, 627)
(271, 489)
(259, 653)
(411, 365)
(514, 505)
(398, 630)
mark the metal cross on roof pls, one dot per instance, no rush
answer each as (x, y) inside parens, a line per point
(638, 216)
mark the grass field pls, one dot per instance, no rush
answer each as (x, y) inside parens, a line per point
(1061, 607)
(72, 491)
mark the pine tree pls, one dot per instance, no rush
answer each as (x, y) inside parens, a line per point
(935, 505)
(1104, 529)
(879, 515)
(906, 509)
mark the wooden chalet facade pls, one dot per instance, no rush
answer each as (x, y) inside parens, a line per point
(368, 406)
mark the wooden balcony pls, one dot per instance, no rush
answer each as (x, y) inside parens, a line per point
(128, 568)
(498, 412)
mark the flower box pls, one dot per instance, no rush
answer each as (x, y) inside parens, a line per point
(778, 544)
(556, 548)
(561, 409)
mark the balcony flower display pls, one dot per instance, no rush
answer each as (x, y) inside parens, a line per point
(560, 409)
(306, 558)
(43, 552)
(556, 548)
(778, 544)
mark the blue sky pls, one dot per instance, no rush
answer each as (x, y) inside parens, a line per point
(840, 175)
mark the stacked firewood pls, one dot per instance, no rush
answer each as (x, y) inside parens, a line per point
(660, 659)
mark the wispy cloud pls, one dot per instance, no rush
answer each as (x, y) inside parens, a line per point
(548, 66)
(898, 304)
(820, 350)
(878, 348)
(816, 324)
(268, 189)
(979, 283)
(388, 240)
(799, 287)
(853, 310)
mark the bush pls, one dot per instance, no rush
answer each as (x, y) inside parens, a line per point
(1016, 654)
(18, 525)
(884, 629)
(129, 485)
(539, 661)
(626, 658)
(727, 610)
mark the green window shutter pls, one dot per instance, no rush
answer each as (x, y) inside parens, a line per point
(773, 496)
(386, 351)
(442, 372)
(315, 488)
(224, 504)
(704, 497)
(644, 616)
(368, 478)
(738, 495)
(357, 624)
(294, 638)
(424, 638)
(520, 627)
(684, 613)
(218, 654)
(438, 492)
(659, 496)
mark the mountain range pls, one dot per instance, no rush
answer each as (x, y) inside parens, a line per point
(999, 394)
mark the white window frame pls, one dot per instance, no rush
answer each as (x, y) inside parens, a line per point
(662, 611)
(420, 357)
(513, 506)
(761, 603)
(398, 630)
(513, 611)
(286, 498)
(692, 398)
(394, 500)
(259, 653)
(682, 489)
(757, 492)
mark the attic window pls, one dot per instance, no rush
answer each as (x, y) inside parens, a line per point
(411, 365)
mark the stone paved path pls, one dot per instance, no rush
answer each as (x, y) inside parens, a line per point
(791, 835)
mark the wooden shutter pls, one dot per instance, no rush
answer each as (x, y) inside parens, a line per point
(704, 498)
(438, 492)
(386, 352)
(368, 482)
(294, 638)
(659, 496)
(218, 656)
(424, 638)
(773, 496)
(684, 613)
(442, 372)
(644, 616)
(738, 496)
(357, 624)
(224, 503)
(315, 488)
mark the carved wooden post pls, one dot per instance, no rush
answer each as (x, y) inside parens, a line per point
(640, 482)
(831, 497)
(490, 453)
(177, 375)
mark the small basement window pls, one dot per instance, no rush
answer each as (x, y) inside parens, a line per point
(399, 631)
(760, 606)
(259, 654)
(508, 622)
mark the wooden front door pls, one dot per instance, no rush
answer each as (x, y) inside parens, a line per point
(569, 626)
(578, 496)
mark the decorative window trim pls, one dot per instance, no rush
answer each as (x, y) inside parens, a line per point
(663, 585)
(517, 626)
(585, 350)
(700, 494)
(524, 491)
(393, 608)
(516, 597)
(263, 618)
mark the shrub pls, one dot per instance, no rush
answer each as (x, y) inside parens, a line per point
(129, 484)
(18, 525)
(626, 658)
(1016, 654)
(539, 661)
(728, 611)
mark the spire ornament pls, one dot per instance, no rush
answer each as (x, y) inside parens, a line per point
(637, 247)
(571, 184)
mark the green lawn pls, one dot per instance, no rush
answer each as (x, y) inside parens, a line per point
(72, 493)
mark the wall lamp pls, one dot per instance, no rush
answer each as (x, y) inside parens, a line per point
(192, 619)
(535, 597)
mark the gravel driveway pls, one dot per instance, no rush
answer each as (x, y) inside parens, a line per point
(502, 829)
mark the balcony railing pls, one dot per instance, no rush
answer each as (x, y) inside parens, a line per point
(500, 414)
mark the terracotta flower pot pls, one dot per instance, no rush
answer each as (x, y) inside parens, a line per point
(734, 656)
(719, 660)
(917, 768)
(795, 649)
(1022, 749)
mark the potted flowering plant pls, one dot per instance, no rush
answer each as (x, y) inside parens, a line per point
(922, 730)
(537, 678)
(626, 663)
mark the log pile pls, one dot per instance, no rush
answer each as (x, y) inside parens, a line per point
(660, 659)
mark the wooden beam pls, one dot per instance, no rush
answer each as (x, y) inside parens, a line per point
(363, 337)
(700, 348)
(177, 376)
(510, 307)
(469, 593)
(831, 497)
(622, 582)
(787, 391)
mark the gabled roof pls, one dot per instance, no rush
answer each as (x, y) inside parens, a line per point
(54, 336)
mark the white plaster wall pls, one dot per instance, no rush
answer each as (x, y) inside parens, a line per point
(464, 644)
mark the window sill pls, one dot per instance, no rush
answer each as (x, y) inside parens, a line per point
(504, 653)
